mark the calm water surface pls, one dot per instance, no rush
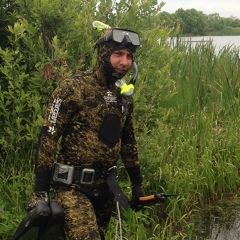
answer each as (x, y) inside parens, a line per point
(218, 41)
(219, 222)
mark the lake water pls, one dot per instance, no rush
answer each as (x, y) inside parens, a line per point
(219, 222)
(218, 41)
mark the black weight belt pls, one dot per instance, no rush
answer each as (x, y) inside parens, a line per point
(112, 182)
(116, 190)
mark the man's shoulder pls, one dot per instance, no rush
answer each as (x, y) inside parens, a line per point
(78, 79)
(82, 76)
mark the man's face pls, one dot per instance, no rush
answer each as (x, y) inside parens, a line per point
(121, 61)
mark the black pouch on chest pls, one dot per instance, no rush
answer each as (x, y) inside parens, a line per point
(109, 132)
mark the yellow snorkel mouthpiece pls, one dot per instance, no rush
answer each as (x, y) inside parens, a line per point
(126, 89)
(99, 26)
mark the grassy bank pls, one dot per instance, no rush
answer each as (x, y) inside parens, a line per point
(227, 31)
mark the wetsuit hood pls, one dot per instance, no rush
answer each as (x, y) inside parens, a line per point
(103, 65)
(105, 49)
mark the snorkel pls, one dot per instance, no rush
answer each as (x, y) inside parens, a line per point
(120, 35)
(135, 73)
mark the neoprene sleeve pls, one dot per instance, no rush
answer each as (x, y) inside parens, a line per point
(135, 175)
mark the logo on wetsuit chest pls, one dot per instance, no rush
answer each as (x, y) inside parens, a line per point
(110, 98)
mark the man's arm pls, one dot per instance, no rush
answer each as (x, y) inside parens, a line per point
(60, 109)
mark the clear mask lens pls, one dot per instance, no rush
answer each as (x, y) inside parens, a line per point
(118, 35)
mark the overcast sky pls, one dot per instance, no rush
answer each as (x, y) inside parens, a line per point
(225, 8)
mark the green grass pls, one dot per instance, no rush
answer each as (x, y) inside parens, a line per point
(227, 31)
(14, 190)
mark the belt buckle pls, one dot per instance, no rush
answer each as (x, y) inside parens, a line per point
(87, 176)
(63, 173)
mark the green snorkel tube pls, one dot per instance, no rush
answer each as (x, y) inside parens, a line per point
(127, 90)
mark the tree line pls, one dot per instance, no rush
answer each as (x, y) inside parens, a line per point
(197, 23)
(190, 21)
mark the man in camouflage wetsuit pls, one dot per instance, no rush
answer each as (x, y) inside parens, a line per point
(95, 125)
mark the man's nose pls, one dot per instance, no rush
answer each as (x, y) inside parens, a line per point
(124, 60)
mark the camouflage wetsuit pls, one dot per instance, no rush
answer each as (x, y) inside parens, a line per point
(86, 111)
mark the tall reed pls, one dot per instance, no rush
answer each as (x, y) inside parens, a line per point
(193, 148)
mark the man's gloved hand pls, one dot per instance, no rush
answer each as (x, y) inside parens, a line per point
(137, 191)
(35, 199)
